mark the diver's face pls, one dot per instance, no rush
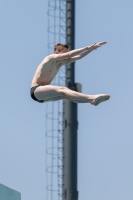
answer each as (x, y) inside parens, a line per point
(64, 50)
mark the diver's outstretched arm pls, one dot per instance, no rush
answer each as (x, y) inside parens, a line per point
(92, 47)
(83, 53)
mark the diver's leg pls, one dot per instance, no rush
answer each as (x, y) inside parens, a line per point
(53, 93)
(78, 97)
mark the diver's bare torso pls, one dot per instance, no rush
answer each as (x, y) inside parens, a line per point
(46, 71)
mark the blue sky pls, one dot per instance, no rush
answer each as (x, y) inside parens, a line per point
(105, 134)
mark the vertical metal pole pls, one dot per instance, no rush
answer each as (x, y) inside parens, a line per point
(70, 116)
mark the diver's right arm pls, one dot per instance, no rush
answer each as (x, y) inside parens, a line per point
(67, 55)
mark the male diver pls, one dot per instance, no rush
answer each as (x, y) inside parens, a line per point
(41, 90)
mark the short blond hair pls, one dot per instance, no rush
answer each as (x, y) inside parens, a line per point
(59, 47)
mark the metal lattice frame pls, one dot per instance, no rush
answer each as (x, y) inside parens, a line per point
(54, 112)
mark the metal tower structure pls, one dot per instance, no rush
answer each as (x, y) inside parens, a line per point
(54, 111)
(61, 121)
(70, 124)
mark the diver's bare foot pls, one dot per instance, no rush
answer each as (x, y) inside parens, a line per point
(100, 98)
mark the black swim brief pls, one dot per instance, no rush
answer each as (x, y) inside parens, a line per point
(33, 96)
